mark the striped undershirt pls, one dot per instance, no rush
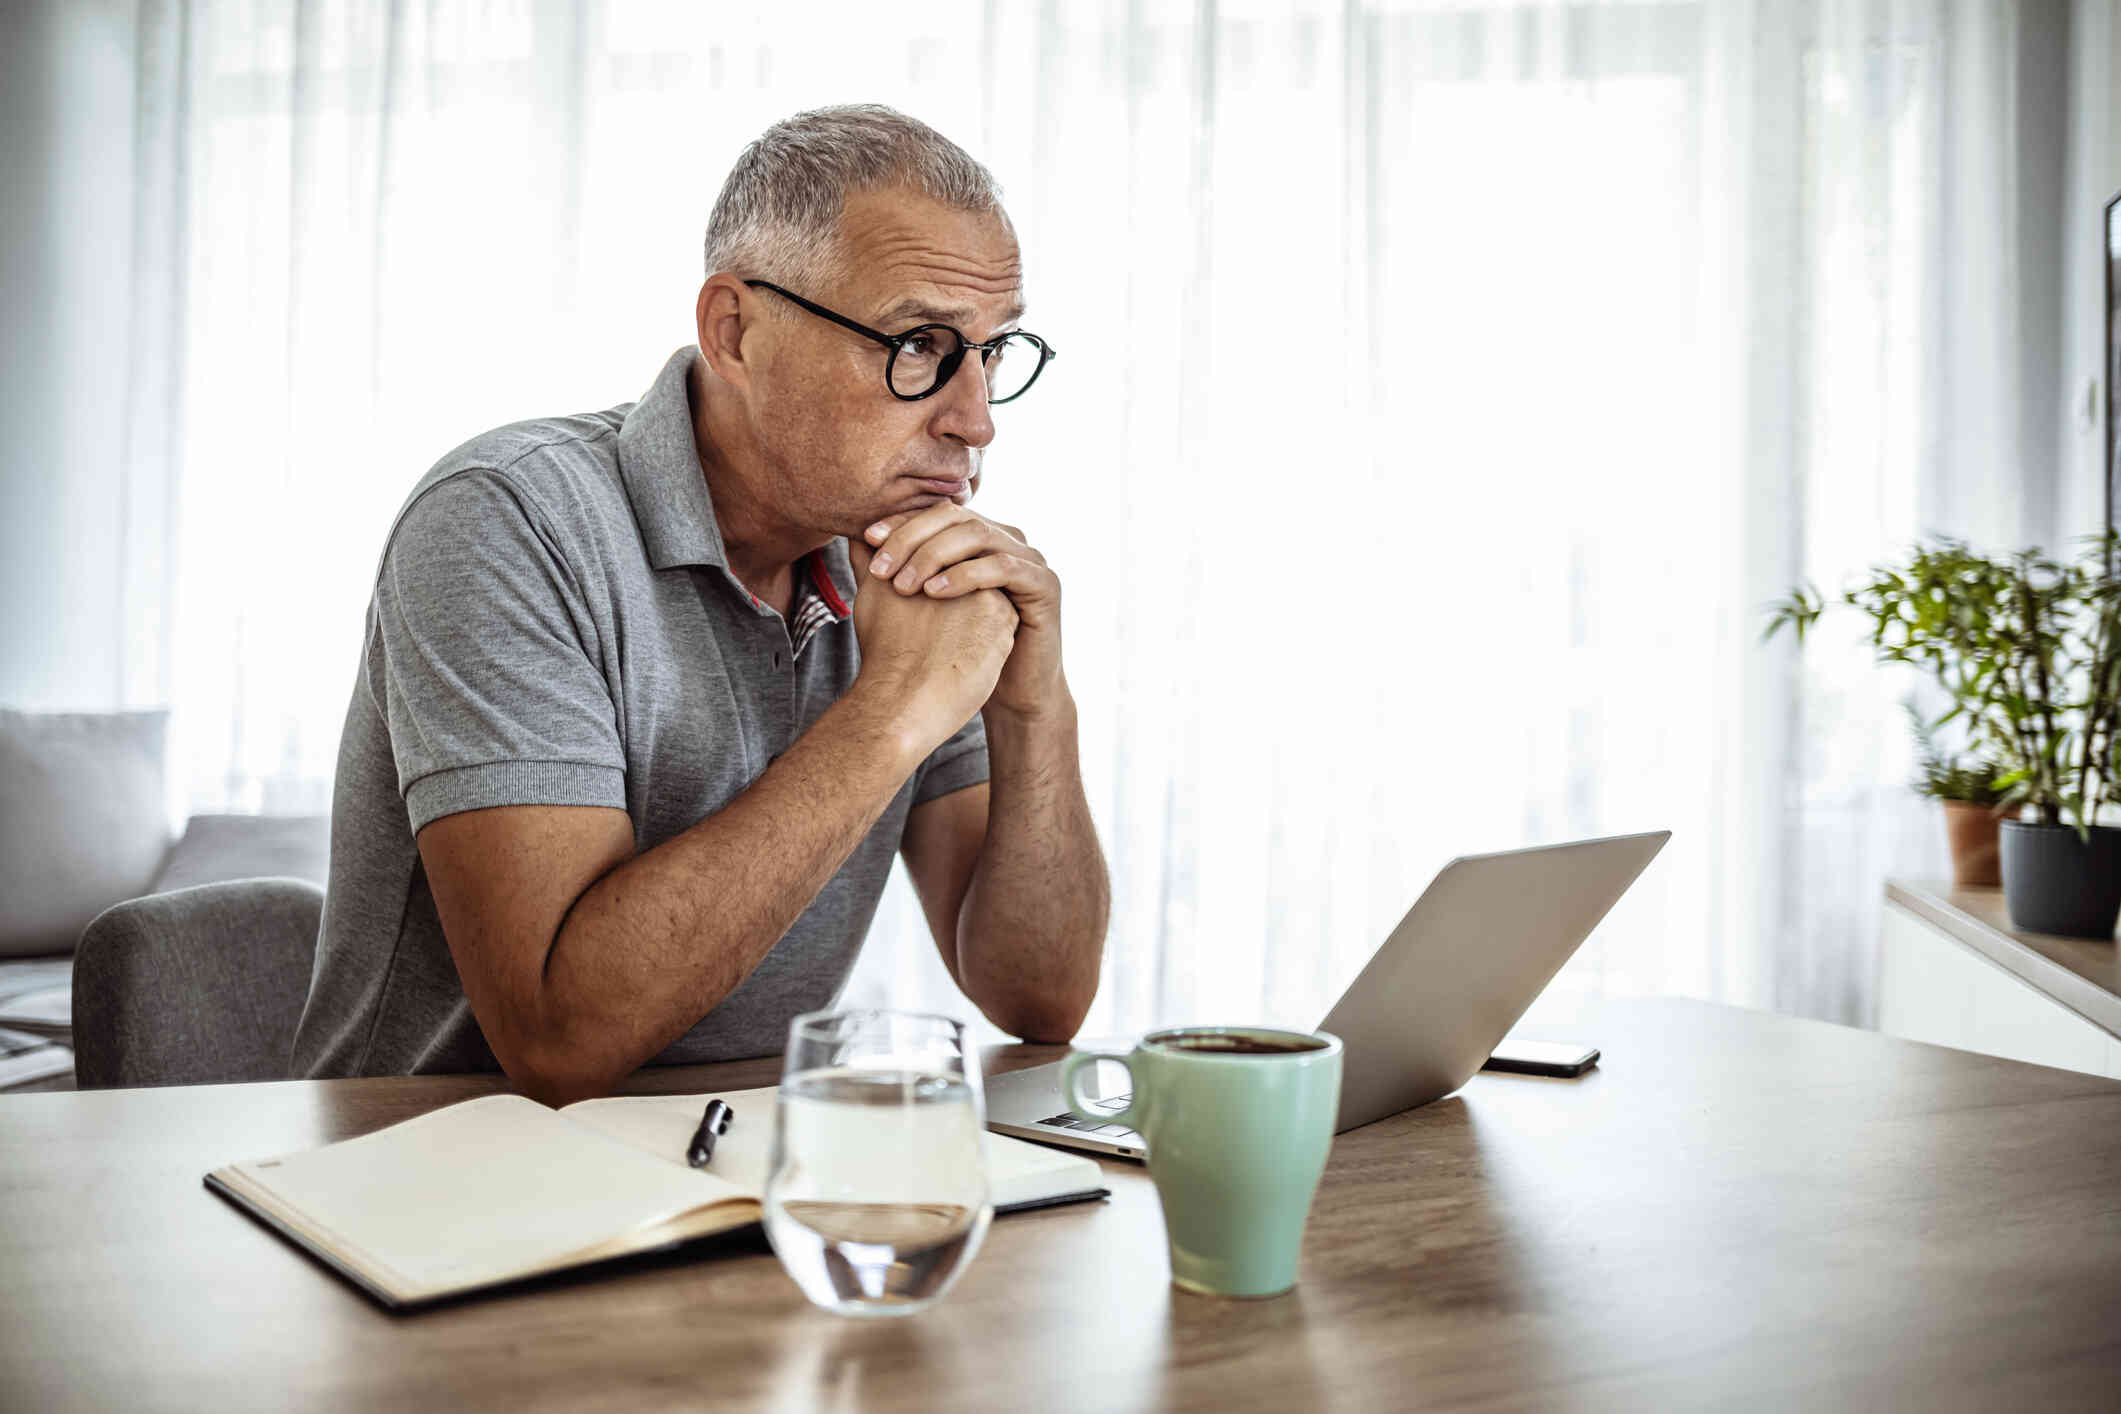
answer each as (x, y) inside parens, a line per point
(817, 602)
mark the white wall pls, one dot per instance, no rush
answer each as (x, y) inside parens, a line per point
(66, 106)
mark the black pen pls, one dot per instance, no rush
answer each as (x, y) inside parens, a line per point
(712, 1124)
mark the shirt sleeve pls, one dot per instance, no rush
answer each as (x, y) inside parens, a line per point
(959, 762)
(482, 659)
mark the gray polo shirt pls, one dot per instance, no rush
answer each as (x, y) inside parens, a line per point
(554, 623)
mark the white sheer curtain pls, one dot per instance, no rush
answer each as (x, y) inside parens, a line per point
(1445, 389)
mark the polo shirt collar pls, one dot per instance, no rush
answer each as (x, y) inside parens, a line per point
(661, 467)
(660, 464)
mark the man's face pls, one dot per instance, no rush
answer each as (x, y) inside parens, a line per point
(844, 451)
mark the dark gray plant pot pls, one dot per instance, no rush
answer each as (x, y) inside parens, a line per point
(2055, 883)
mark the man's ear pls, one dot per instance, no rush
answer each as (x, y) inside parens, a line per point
(722, 319)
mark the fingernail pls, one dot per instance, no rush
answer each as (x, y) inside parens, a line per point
(880, 566)
(877, 532)
(905, 580)
(938, 583)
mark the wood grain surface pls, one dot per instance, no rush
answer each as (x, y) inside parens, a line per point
(1734, 1210)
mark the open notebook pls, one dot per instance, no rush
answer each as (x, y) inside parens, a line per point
(501, 1188)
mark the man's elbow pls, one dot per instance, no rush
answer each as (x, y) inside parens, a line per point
(558, 1085)
(1046, 1020)
(555, 1069)
(555, 1087)
(1048, 1034)
(1047, 1010)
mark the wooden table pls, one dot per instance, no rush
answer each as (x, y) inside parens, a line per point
(1734, 1210)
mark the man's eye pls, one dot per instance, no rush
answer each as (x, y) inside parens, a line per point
(919, 346)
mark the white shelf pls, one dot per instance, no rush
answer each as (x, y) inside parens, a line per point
(1952, 973)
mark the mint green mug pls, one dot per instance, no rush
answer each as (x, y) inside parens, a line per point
(1238, 1121)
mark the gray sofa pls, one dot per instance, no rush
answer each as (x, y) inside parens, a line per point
(84, 825)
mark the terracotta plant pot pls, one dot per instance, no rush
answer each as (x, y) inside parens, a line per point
(1974, 832)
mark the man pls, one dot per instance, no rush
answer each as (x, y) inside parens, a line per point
(623, 773)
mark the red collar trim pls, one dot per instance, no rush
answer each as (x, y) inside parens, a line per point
(825, 588)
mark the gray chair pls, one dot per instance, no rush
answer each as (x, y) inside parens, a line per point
(195, 987)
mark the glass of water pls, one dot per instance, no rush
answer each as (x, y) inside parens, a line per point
(876, 1194)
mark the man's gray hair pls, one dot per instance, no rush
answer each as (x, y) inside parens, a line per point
(778, 217)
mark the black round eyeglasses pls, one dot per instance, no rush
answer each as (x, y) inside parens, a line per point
(926, 357)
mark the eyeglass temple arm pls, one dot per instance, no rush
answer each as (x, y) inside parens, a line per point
(823, 313)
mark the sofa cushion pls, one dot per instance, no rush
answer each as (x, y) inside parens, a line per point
(83, 821)
(217, 848)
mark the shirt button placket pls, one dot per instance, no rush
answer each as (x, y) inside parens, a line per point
(784, 686)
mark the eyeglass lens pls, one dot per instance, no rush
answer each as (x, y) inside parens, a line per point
(929, 355)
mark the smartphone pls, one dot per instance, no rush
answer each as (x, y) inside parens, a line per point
(1566, 1059)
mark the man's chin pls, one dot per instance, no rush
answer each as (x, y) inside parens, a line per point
(915, 493)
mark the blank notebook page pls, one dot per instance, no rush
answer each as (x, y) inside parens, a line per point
(480, 1191)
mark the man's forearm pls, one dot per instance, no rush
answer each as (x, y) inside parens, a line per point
(1031, 932)
(659, 941)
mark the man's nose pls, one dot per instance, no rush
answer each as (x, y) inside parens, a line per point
(962, 411)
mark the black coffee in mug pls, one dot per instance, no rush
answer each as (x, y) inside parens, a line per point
(1238, 1045)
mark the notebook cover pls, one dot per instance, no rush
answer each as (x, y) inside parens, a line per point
(400, 1306)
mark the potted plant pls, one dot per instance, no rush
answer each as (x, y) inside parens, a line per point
(2029, 652)
(1974, 806)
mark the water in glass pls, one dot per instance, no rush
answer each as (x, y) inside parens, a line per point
(876, 1198)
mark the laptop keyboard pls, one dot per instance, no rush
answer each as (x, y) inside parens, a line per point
(1066, 1120)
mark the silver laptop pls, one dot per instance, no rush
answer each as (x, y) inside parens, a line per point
(1472, 954)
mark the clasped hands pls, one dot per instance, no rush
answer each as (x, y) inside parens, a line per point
(961, 605)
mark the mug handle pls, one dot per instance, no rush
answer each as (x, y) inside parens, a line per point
(1071, 1070)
